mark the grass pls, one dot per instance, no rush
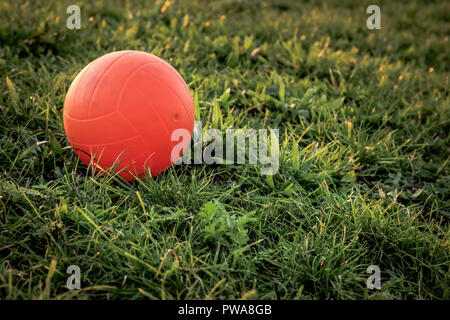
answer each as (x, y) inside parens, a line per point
(364, 154)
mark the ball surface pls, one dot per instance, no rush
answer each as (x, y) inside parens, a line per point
(120, 111)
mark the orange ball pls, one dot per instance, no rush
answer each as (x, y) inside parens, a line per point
(120, 112)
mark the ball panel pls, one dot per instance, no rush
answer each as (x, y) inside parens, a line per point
(78, 104)
(184, 95)
(137, 107)
(168, 76)
(73, 99)
(155, 101)
(154, 109)
(125, 155)
(108, 129)
(109, 88)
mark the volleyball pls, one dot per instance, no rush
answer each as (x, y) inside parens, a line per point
(120, 111)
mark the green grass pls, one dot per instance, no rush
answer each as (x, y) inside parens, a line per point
(364, 154)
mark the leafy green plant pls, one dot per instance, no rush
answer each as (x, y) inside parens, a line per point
(219, 225)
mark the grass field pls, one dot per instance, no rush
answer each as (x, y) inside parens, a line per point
(364, 154)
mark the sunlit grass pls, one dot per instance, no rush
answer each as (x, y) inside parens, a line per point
(364, 154)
